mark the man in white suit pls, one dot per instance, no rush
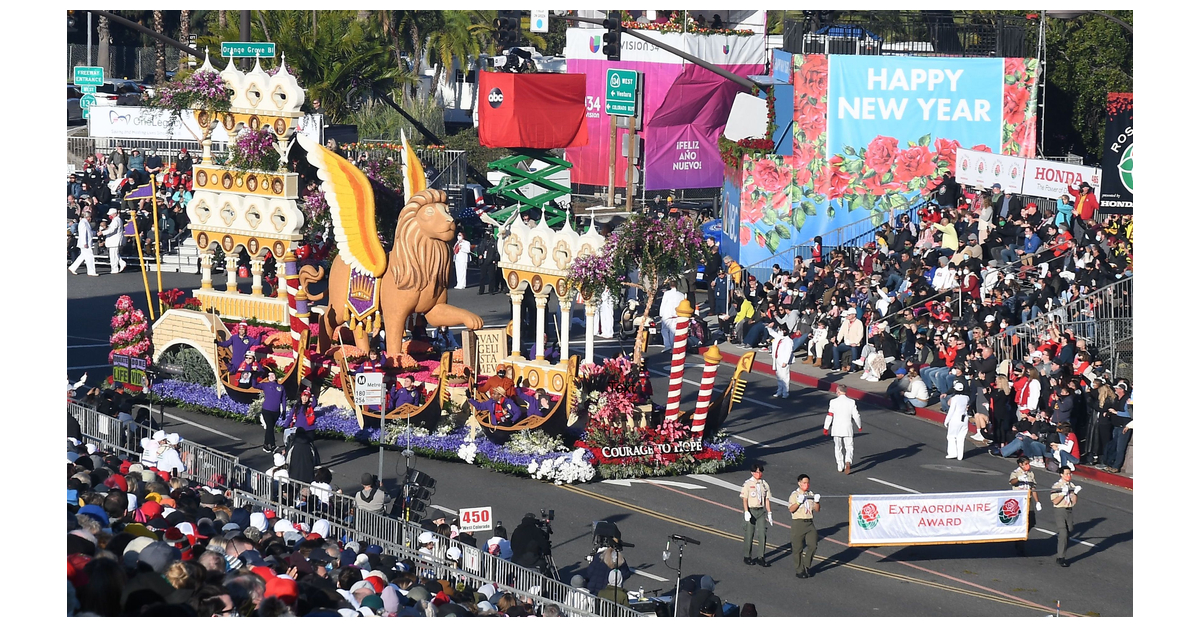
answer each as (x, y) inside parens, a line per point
(956, 422)
(781, 356)
(840, 422)
(83, 241)
(462, 255)
(114, 236)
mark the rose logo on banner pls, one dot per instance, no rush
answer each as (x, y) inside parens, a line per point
(1015, 173)
(981, 167)
(966, 165)
(997, 169)
(868, 516)
(1010, 512)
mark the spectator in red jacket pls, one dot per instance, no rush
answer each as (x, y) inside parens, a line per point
(1084, 200)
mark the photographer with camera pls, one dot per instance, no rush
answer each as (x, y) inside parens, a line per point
(530, 544)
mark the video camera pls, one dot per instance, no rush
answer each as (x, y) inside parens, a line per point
(543, 522)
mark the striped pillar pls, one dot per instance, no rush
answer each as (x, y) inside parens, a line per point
(683, 315)
(297, 309)
(712, 357)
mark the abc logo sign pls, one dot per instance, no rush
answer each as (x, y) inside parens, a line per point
(495, 97)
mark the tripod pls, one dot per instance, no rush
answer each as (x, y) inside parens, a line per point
(683, 541)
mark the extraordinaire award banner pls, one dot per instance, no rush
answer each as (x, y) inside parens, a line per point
(947, 518)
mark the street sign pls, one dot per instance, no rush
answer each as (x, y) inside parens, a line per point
(475, 519)
(247, 49)
(539, 21)
(621, 92)
(87, 101)
(87, 89)
(89, 75)
(368, 388)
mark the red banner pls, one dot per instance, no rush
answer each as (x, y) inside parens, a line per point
(532, 110)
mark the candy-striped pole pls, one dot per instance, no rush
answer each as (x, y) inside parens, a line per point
(712, 358)
(683, 315)
(297, 309)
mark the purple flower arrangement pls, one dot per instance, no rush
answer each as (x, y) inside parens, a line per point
(254, 150)
(202, 89)
(340, 422)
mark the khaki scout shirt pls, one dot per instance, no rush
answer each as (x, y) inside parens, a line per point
(805, 511)
(756, 493)
(1024, 479)
(1065, 501)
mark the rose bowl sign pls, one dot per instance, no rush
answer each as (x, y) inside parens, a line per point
(948, 518)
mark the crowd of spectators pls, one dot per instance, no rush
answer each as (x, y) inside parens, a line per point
(920, 301)
(104, 181)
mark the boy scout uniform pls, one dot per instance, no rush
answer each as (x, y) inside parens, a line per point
(804, 530)
(756, 493)
(1025, 481)
(1064, 513)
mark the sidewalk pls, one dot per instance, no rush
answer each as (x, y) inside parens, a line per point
(874, 393)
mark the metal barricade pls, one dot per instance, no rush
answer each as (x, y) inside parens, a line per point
(207, 466)
(107, 432)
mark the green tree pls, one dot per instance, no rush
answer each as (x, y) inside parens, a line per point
(1085, 60)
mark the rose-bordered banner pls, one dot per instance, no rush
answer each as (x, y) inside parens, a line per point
(946, 518)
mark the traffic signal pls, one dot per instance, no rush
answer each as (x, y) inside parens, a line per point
(612, 38)
(508, 26)
(71, 22)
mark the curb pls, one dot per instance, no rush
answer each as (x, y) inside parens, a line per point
(1085, 472)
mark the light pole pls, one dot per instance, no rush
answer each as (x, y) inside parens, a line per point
(1070, 15)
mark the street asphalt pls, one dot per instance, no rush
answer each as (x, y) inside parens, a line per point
(894, 453)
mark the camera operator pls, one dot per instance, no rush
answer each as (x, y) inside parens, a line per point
(530, 544)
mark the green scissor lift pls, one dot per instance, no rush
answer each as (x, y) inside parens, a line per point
(515, 178)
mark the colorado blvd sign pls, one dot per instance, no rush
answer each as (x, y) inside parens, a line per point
(621, 92)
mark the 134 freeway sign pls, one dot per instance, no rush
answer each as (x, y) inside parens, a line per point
(621, 92)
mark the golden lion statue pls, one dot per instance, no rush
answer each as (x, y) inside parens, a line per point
(412, 278)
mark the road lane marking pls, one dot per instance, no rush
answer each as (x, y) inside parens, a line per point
(648, 575)
(629, 483)
(898, 487)
(697, 384)
(1055, 533)
(1007, 599)
(89, 345)
(444, 509)
(752, 441)
(731, 486)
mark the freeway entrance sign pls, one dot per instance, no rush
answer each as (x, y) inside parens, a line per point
(89, 75)
(621, 92)
(247, 49)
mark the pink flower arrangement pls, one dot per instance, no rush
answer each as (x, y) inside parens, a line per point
(129, 331)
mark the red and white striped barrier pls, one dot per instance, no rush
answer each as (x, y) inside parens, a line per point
(712, 358)
(297, 311)
(683, 315)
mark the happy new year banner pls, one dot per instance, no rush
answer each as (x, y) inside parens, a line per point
(947, 518)
(872, 133)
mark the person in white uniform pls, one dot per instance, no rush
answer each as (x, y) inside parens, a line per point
(956, 422)
(84, 240)
(606, 316)
(114, 235)
(781, 356)
(462, 254)
(666, 312)
(840, 423)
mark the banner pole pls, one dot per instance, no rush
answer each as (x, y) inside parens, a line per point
(142, 262)
(631, 144)
(612, 161)
(157, 247)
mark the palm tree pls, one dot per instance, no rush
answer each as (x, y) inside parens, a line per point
(160, 51)
(102, 52)
(185, 17)
(460, 37)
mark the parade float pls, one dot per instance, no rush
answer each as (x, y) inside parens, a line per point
(595, 424)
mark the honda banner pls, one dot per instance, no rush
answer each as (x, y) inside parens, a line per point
(947, 518)
(1116, 193)
(984, 169)
(1050, 179)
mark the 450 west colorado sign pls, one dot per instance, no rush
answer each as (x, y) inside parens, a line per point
(949, 518)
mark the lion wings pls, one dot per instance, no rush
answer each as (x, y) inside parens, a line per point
(352, 207)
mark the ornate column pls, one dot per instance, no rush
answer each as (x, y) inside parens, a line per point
(231, 271)
(206, 262)
(683, 315)
(564, 329)
(256, 272)
(517, 297)
(589, 342)
(712, 358)
(539, 339)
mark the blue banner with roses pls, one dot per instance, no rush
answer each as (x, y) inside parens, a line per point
(872, 134)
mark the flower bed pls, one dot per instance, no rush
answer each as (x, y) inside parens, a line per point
(532, 454)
